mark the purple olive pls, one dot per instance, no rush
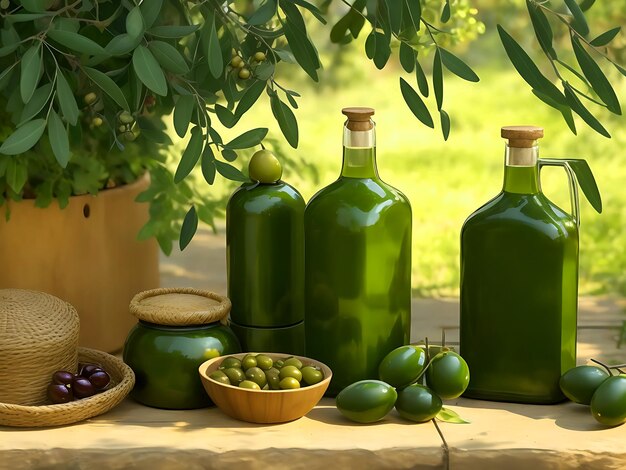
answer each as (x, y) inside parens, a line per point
(83, 388)
(89, 369)
(99, 379)
(62, 377)
(59, 393)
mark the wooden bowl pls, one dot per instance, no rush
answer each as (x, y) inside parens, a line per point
(264, 406)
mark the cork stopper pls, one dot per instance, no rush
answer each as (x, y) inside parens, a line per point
(359, 118)
(522, 136)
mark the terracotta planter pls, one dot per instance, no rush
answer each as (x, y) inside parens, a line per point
(87, 254)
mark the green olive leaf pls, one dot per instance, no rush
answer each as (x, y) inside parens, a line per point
(445, 13)
(264, 13)
(438, 79)
(173, 32)
(107, 85)
(182, 113)
(225, 115)
(169, 57)
(67, 101)
(448, 416)
(605, 38)
(457, 66)
(190, 155)
(76, 42)
(135, 26)
(24, 137)
(122, 44)
(587, 182)
(286, 120)
(208, 165)
(596, 77)
(188, 230)
(248, 139)
(316, 12)
(150, 11)
(230, 172)
(250, 96)
(40, 97)
(31, 67)
(527, 68)
(445, 123)
(407, 57)
(216, 61)
(149, 71)
(415, 104)
(579, 22)
(414, 9)
(59, 141)
(579, 108)
(542, 28)
(422, 82)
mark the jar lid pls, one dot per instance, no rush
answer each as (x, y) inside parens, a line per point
(180, 306)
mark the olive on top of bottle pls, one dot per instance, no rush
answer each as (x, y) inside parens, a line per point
(66, 386)
(266, 373)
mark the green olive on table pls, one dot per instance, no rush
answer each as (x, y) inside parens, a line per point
(366, 401)
(608, 404)
(279, 363)
(418, 403)
(447, 375)
(402, 366)
(579, 383)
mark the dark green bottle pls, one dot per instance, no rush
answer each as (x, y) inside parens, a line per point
(265, 261)
(357, 263)
(519, 283)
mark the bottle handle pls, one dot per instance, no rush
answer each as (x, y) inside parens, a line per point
(573, 186)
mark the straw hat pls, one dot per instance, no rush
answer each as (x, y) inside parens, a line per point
(38, 336)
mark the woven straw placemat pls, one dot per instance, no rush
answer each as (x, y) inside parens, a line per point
(180, 306)
(122, 378)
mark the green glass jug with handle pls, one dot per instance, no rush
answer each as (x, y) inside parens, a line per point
(519, 279)
(357, 263)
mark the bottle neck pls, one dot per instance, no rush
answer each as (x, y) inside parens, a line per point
(359, 153)
(521, 171)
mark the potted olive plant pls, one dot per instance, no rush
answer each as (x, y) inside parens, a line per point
(86, 85)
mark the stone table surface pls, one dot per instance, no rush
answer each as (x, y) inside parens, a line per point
(500, 436)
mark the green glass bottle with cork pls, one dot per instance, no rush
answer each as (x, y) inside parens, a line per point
(265, 260)
(519, 279)
(357, 263)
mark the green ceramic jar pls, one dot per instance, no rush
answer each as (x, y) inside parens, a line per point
(165, 357)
